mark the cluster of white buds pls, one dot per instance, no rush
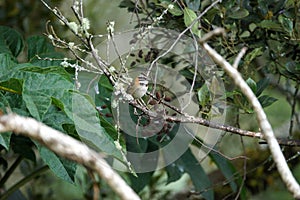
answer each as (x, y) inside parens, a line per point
(121, 93)
(80, 29)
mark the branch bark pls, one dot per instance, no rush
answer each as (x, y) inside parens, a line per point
(65, 146)
(263, 122)
(186, 118)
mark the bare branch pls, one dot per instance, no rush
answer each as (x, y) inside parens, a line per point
(67, 147)
(263, 122)
(239, 57)
(186, 118)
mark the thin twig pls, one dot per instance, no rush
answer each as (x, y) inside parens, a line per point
(22, 182)
(63, 19)
(182, 34)
(294, 102)
(10, 171)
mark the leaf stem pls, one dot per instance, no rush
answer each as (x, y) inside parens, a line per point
(10, 170)
(23, 182)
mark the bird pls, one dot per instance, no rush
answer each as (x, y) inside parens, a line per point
(139, 86)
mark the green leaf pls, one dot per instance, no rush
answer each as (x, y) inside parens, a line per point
(23, 146)
(230, 173)
(245, 34)
(266, 100)
(176, 11)
(12, 85)
(174, 173)
(6, 64)
(252, 85)
(5, 140)
(193, 4)
(70, 167)
(56, 119)
(291, 70)
(10, 69)
(253, 54)
(238, 13)
(42, 53)
(189, 17)
(81, 110)
(140, 181)
(105, 90)
(287, 24)
(204, 95)
(189, 164)
(55, 164)
(269, 24)
(111, 130)
(47, 70)
(261, 86)
(130, 5)
(11, 41)
(38, 89)
(132, 146)
(293, 67)
(226, 168)
(14, 102)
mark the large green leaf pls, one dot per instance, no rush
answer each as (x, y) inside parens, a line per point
(23, 146)
(5, 140)
(174, 172)
(70, 167)
(266, 100)
(262, 85)
(189, 164)
(56, 164)
(9, 69)
(189, 18)
(229, 172)
(140, 181)
(12, 85)
(38, 89)
(42, 53)
(251, 83)
(11, 41)
(53, 70)
(226, 168)
(56, 119)
(82, 112)
(6, 64)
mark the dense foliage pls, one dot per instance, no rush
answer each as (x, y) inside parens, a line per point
(34, 83)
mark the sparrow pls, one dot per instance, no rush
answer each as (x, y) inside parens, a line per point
(139, 86)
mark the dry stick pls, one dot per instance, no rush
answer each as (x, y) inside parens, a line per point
(67, 147)
(263, 122)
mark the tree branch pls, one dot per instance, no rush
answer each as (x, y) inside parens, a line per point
(67, 147)
(263, 122)
(186, 118)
